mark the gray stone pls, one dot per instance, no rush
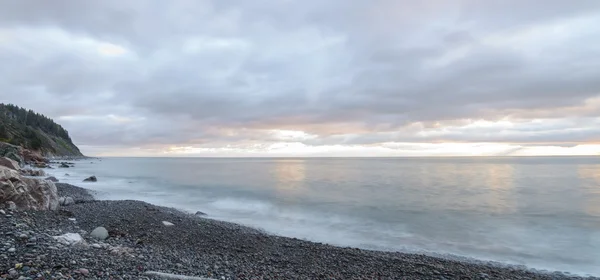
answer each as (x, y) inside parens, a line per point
(12, 250)
(11, 205)
(52, 178)
(66, 201)
(99, 233)
(91, 179)
(168, 224)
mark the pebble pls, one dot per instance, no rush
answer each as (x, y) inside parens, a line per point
(2, 212)
(84, 271)
(12, 250)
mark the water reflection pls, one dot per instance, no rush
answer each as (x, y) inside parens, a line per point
(471, 187)
(499, 178)
(590, 177)
(290, 175)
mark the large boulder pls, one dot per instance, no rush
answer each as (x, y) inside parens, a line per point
(27, 193)
(10, 163)
(32, 156)
(13, 152)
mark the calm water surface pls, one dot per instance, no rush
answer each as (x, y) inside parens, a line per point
(542, 212)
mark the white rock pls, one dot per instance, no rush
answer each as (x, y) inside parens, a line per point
(12, 250)
(2, 212)
(168, 224)
(99, 233)
(70, 239)
(72, 219)
(97, 246)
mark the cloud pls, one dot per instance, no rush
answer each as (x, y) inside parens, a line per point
(350, 74)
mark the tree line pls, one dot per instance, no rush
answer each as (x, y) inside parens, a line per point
(19, 126)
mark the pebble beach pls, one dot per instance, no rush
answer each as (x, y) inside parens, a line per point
(151, 242)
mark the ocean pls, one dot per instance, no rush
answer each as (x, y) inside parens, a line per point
(538, 212)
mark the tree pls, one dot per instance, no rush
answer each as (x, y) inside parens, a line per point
(4, 132)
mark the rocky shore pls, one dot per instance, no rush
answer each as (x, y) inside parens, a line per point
(145, 239)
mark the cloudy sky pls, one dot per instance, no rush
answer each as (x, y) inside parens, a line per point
(309, 78)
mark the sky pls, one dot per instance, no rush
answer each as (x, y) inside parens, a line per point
(309, 78)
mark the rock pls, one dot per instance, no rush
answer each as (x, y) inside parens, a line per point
(10, 163)
(13, 272)
(52, 178)
(200, 213)
(64, 165)
(30, 156)
(41, 165)
(11, 205)
(12, 152)
(70, 239)
(33, 172)
(168, 224)
(83, 271)
(66, 201)
(90, 179)
(97, 246)
(4, 212)
(99, 233)
(27, 193)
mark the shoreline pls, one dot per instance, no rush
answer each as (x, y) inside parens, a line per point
(200, 246)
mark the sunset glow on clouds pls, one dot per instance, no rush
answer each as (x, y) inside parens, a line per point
(331, 78)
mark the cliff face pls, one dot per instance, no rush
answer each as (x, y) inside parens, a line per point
(35, 132)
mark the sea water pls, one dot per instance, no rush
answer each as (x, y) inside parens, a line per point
(541, 212)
